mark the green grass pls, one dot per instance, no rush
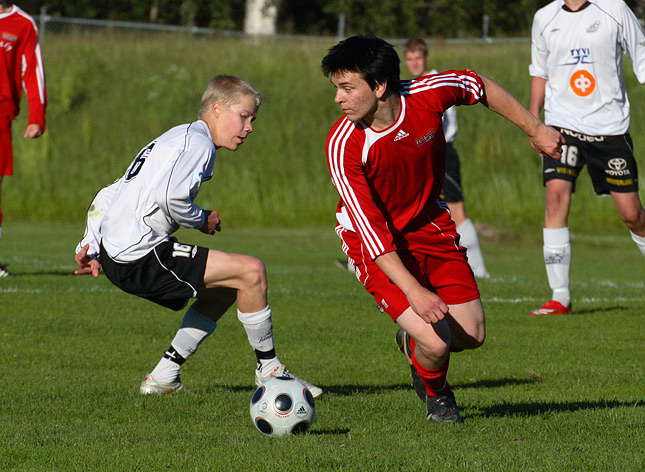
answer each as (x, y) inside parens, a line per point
(111, 94)
(74, 350)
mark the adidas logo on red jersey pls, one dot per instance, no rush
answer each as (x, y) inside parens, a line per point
(400, 135)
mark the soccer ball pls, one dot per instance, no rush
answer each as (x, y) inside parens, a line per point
(281, 406)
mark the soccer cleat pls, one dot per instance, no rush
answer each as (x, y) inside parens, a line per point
(403, 341)
(4, 272)
(551, 308)
(281, 371)
(443, 409)
(149, 386)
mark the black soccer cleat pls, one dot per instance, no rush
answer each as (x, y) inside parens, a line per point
(443, 409)
(403, 341)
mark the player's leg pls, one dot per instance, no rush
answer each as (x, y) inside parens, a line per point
(6, 165)
(247, 276)
(467, 325)
(468, 238)
(200, 321)
(430, 357)
(557, 247)
(630, 210)
(453, 195)
(559, 179)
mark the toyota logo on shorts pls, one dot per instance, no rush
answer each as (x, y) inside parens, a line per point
(617, 163)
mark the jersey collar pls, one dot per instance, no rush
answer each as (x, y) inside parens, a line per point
(567, 9)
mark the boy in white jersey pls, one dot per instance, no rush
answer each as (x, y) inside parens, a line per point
(416, 59)
(577, 55)
(128, 235)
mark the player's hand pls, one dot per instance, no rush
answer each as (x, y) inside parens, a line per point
(86, 265)
(212, 222)
(33, 131)
(547, 141)
(429, 306)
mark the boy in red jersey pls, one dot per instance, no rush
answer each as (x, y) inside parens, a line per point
(20, 64)
(387, 160)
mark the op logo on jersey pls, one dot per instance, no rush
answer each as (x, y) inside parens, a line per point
(582, 83)
(426, 137)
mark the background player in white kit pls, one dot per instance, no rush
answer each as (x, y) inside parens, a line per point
(577, 77)
(416, 60)
(129, 225)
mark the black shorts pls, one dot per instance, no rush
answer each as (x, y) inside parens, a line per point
(452, 191)
(610, 162)
(169, 275)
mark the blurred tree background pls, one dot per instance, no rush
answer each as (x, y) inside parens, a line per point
(388, 18)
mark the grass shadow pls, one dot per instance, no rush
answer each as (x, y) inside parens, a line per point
(492, 383)
(544, 409)
(588, 311)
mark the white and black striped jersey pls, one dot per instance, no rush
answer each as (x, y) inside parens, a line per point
(154, 197)
(581, 56)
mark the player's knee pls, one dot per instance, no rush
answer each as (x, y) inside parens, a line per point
(634, 219)
(255, 274)
(435, 351)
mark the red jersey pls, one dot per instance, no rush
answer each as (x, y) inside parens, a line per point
(390, 180)
(21, 65)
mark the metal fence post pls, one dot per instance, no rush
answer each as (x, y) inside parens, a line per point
(485, 20)
(341, 26)
(43, 22)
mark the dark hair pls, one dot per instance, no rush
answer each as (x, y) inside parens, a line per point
(416, 44)
(374, 58)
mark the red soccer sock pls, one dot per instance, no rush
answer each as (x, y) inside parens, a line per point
(433, 379)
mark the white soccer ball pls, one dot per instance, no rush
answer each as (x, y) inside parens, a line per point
(281, 406)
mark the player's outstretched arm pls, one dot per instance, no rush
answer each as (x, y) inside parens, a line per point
(544, 139)
(86, 265)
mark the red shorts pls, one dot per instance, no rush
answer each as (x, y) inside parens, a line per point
(432, 254)
(6, 153)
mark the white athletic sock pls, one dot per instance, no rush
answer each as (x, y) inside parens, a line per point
(557, 258)
(469, 239)
(259, 329)
(194, 329)
(640, 242)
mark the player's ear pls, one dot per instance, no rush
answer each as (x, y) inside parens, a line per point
(216, 109)
(380, 89)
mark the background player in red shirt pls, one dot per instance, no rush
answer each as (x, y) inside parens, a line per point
(20, 63)
(387, 160)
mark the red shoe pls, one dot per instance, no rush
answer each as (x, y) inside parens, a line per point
(551, 308)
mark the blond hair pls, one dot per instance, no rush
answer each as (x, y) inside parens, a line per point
(227, 90)
(416, 44)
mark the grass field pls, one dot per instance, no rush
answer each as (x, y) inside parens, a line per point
(111, 94)
(549, 394)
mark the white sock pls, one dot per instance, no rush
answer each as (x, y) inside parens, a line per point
(640, 242)
(468, 239)
(259, 329)
(557, 258)
(194, 329)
